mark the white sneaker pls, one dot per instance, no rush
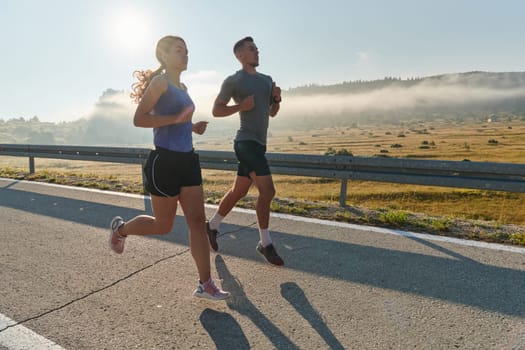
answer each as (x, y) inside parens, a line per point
(210, 291)
(116, 240)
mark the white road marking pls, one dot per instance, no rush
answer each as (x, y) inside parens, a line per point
(21, 338)
(429, 237)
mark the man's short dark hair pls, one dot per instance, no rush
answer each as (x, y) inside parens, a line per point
(239, 44)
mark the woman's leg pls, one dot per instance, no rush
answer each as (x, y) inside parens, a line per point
(164, 211)
(192, 202)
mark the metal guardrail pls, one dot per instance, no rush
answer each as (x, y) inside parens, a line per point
(475, 175)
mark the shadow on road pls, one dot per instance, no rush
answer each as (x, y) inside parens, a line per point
(224, 330)
(242, 304)
(295, 296)
(453, 277)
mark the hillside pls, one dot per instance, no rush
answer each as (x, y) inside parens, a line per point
(505, 80)
(464, 96)
(472, 95)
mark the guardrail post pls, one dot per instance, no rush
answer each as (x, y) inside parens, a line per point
(31, 165)
(342, 195)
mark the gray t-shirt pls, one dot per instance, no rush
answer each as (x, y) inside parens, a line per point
(254, 123)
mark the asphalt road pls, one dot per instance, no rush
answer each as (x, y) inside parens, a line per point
(342, 286)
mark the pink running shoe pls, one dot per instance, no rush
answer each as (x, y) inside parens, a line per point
(210, 291)
(116, 240)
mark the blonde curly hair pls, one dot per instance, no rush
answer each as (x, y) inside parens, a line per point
(144, 77)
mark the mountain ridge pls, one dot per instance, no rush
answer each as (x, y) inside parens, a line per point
(481, 79)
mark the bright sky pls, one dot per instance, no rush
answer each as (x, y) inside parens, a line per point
(58, 56)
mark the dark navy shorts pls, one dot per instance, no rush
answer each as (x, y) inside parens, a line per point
(167, 171)
(252, 158)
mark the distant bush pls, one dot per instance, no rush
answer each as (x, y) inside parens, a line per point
(396, 145)
(341, 152)
(493, 142)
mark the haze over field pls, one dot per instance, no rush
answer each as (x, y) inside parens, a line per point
(453, 94)
(391, 99)
(468, 95)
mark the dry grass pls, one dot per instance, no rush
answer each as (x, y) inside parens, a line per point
(432, 140)
(475, 141)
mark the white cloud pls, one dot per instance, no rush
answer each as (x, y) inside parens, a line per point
(362, 56)
(395, 98)
(113, 104)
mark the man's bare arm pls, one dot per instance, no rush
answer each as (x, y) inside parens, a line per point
(276, 96)
(274, 109)
(221, 108)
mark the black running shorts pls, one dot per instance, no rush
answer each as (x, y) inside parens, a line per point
(252, 158)
(167, 171)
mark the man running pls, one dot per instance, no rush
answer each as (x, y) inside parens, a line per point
(256, 98)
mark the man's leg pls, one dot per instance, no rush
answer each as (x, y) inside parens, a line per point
(266, 189)
(266, 193)
(239, 190)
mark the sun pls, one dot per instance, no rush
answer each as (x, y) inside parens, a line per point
(129, 30)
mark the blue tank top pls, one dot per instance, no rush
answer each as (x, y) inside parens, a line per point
(175, 137)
